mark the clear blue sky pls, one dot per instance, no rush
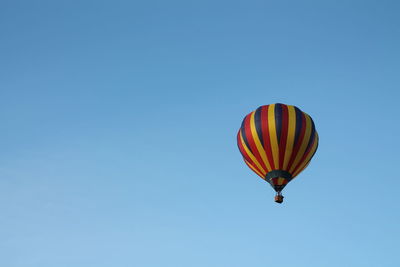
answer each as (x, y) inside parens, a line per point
(118, 122)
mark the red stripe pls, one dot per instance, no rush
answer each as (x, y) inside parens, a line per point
(265, 134)
(284, 132)
(251, 142)
(245, 155)
(299, 141)
(250, 166)
(305, 155)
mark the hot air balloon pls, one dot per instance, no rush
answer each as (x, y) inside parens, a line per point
(277, 142)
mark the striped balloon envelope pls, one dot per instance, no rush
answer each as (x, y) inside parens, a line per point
(277, 142)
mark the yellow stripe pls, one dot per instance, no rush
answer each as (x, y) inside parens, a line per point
(280, 180)
(306, 161)
(304, 143)
(290, 136)
(297, 173)
(272, 135)
(259, 146)
(255, 170)
(250, 154)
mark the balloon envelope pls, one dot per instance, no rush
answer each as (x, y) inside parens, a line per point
(277, 142)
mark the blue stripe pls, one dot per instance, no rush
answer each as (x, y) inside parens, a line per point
(257, 121)
(244, 136)
(278, 121)
(299, 119)
(312, 135)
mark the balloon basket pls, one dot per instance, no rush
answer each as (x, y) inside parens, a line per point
(279, 198)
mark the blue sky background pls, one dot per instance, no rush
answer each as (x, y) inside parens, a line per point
(118, 122)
